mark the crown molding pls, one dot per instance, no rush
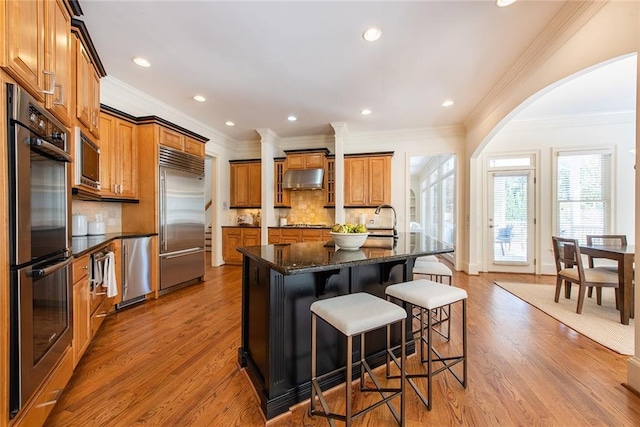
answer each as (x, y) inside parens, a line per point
(573, 120)
(573, 16)
(126, 98)
(407, 135)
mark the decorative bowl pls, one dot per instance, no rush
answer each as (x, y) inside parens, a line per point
(349, 241)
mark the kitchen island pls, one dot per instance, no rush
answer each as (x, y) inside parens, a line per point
(279, 284)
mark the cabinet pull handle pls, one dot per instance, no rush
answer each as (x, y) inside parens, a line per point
(100, 293)
(51, 402)
(52, 82)
(102, 315)
(60, 100)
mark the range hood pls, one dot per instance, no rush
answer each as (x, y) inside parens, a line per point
(303, 179)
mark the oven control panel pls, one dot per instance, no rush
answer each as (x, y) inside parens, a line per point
(40, 124)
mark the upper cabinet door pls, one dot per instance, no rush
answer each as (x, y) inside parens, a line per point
(255, 184)
(356, 184)
(379, 180)
(24, 56)
(94, 85)
(59, 60)
(83, 85)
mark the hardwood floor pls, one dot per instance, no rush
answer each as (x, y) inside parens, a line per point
(172, 362)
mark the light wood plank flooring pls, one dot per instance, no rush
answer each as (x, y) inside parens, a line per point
(172, 362)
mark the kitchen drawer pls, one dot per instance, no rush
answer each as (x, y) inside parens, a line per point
(274, 236)
(311, 235)
(99, 315)
(80, 268)
(43, 402)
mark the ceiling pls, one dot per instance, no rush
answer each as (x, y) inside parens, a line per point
(258, 62)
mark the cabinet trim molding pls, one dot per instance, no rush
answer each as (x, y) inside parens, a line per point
(78, 27)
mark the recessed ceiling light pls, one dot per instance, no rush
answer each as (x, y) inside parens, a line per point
(372, 34)
(199, 98)
(229, 123)
(292, 118)
(447, 103)
(365, 112)
(141, 62)
(504, 3)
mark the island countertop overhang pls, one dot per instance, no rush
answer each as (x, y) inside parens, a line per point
(300, 258)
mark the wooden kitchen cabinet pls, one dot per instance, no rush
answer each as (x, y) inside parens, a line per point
(367, 180)
(172, 139)
(37, 51)
(81, 307)
(235, 237)
(281, 197)
(330, 181)
(306, 159)
(88, 71)
(245, 183)
(297, 235)
(118, 157)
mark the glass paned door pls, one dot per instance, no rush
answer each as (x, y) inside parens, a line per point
(510, 236)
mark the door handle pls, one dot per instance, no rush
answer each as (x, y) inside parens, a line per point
(41, 272)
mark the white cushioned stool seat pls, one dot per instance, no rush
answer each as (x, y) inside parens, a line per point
(357, 313)
(431, 268)
(426, 293)
(427, 258)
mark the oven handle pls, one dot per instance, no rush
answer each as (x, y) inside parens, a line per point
(60, 153)
(41, 272)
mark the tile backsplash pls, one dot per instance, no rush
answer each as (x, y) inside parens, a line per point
(308, 207)
(111, 213)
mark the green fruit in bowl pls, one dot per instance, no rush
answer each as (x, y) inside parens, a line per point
(349, 228)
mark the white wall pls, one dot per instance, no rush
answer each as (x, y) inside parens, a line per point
(585, 34)
(595, 131)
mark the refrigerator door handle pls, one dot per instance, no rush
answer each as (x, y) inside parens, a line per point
(183, 253)
(163, 210)
(125, 285)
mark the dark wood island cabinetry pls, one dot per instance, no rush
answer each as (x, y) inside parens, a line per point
(279, 284)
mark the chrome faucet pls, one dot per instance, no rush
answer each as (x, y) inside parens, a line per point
(395, 219)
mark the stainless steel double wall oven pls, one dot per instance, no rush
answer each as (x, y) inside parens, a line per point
(39, 244)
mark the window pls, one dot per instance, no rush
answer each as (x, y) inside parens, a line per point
(583, 193)
(438, 197)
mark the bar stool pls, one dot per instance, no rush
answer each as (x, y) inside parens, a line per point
(356, 314)
(429, 295)
(437, 272)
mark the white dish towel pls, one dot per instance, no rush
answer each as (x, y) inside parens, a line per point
(109, 275)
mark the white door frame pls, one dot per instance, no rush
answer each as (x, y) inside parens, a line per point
(530, 266)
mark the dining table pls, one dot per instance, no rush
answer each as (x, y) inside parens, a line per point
(624, 255)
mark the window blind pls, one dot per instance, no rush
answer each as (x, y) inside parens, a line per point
(583, 194)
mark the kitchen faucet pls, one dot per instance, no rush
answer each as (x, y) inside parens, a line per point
(395, 219)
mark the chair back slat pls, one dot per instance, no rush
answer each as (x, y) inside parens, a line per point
(567, 254)
(607, 239)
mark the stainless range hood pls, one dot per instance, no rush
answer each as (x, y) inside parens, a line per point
(303, 179)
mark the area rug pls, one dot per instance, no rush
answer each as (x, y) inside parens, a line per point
(600, 323)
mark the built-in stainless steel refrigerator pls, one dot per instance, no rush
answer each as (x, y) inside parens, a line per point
(181, 218)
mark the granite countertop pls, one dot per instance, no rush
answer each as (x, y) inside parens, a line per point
(299, 258)
(83, 245)
(241, 226)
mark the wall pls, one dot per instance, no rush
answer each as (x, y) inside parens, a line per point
(584, 34)
(586, 132)
(111, 213)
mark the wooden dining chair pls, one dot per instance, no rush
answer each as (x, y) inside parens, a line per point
(605, 240)
(570, 269)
